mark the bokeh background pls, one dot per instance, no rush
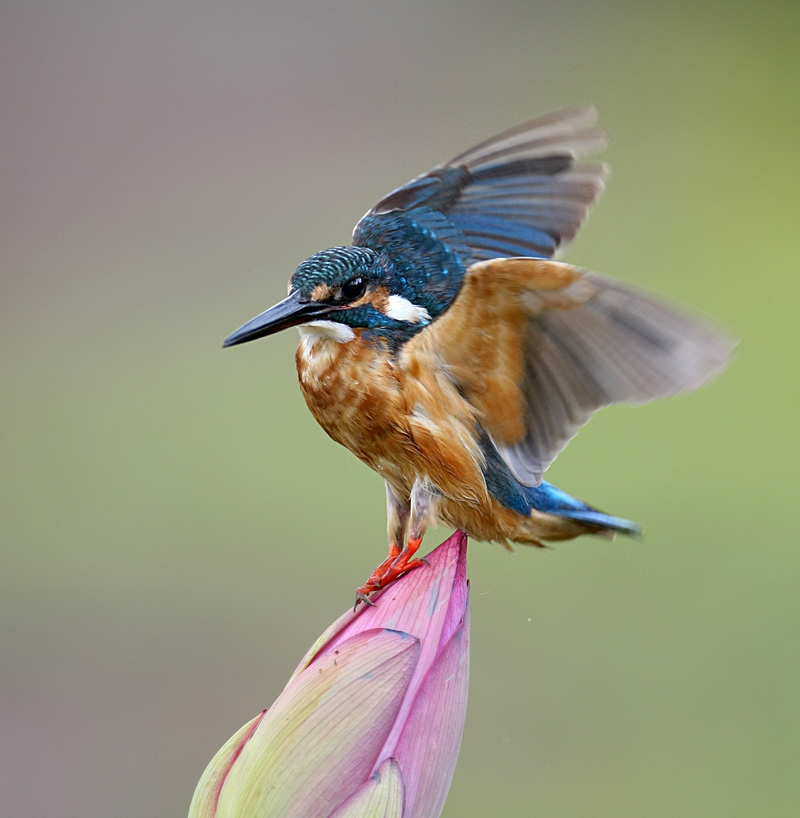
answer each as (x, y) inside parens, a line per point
(176, 530)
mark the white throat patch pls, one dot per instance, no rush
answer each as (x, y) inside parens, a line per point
(401, 309)
(315, 331)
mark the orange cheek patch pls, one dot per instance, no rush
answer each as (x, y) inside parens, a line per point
(378, 298)
(322, 292)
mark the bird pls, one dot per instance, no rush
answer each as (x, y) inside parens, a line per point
(451, 352)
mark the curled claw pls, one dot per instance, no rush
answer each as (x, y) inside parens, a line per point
(362, 597)
(392, 568)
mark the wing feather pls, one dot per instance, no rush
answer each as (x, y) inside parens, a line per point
(537, 346)
(520, 193)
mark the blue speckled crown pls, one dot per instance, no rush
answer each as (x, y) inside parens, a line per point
(334, 264)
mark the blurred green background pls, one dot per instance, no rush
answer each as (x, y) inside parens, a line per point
(176, 530)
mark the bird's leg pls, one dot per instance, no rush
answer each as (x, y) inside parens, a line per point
(422, 514)
(397, 513)
(401, 561)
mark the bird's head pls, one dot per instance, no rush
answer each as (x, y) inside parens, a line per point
(338, 291)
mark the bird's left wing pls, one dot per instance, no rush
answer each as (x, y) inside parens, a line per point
(537, 346)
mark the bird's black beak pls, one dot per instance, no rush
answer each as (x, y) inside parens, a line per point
(290, 312)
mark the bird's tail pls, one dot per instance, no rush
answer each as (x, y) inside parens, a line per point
(549, 499)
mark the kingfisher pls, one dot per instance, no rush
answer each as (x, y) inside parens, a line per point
(449, 351)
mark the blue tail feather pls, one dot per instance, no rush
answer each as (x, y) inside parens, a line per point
(545, 497)
(552, 500)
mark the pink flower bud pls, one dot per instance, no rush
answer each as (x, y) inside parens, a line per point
(370, 723)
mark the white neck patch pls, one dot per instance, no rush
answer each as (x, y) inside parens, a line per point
(315, 331)
(401, 309)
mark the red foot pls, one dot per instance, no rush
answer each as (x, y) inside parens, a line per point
(393, 567)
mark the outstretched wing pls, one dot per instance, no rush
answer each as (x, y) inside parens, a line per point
(536, 346)
(521, 193)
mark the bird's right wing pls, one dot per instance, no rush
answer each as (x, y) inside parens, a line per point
(523, 192)
(537, 346)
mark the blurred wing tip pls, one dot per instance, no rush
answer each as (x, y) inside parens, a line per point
(588, 142)
(572, 131)
(717, 355)
(571, 118)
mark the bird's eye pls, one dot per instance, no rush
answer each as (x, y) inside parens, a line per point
(354, 288)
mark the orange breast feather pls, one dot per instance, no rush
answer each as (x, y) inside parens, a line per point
(403, 418)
